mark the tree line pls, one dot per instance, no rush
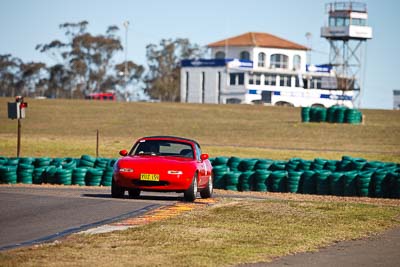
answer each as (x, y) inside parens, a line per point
(84, 64)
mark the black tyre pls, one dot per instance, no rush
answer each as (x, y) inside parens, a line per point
(116, 190)
(134, 193)
(191, 193)
(208, 191)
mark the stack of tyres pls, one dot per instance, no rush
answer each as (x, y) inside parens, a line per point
(318, 164)
(293, 164)
(358, 164)
(277, 181)
(305, 114)
(37, 177)
(78, 176)
(25, 173)
(87, 161)
(322, 179)
(363, 183)
(353, 116)
(321, 114)
(221, 161)
(330, 114)
(233, 163)
(93, 177)
(101, 163)
(350, 183)
(263, 164)
(3, 161)
(394, 179)
(336, 183)
(308, 183)
(63, 176)
(313, 114)
(247, 165)
(278, 165)
(331, 165)
(57, 162)
(108, 173)
(42, 162)
(245, 181)
(260, 180)
(219, 171)
(13, 161)
(232, 180)
(8, 174)
(68, 164)
(49, 174)
(345, 164)
(340, 114)
(305, 165)
(293, 181)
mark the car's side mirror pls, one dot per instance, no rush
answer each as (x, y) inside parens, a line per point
(123, 152)
(204, 156)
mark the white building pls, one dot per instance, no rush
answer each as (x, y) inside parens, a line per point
(396, 99)
(260, 68)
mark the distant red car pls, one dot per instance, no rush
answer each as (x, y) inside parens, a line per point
(163, 164)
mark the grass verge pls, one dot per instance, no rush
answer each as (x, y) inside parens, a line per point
(231, 232)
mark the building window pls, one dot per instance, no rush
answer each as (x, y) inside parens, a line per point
(270, 79)
(244, 55)
(285, 80)
(220, 55)
(279, 61)
(261, 60)
(236, 78)
(296, 62)
(315, 83)
(255, 78)
(187, 86)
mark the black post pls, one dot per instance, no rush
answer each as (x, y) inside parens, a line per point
(97, 143)
(19, 138)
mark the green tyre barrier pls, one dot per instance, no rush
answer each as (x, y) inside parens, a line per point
(25, 173)
(49, 175)
(93, 177)
(247, 165)
(12, 161)
(245, 181)
(350, 183)
(106, 179)
(42, 162)
(340, 114)
(232, 180)
(218, 174)
(8, 174)
(260, 180)
(308, 183)
(63, 176)
(305, 114)
(394, 178)
(221, 161)
(293, 181)
(322, 178)
(37, 177)
(78, 176)
(363, 183)
(68, 164)
(277, 181)
(233, 163)
(336, 183)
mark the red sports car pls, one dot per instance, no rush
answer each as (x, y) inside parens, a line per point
(166, 164)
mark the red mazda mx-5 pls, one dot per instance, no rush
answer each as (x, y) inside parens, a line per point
(166, 164)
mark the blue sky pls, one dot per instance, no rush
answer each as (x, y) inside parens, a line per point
(26, 23)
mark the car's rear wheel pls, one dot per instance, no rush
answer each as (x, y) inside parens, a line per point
(116, 190)
(191, 193)
(208, 191)
(134, 193)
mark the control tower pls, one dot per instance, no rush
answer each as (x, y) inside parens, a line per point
(347, 32)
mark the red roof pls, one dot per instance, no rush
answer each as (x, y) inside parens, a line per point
(258, 39)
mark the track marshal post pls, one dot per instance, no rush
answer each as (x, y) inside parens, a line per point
(16, 110)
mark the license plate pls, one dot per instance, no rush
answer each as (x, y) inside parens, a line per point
(149, 177)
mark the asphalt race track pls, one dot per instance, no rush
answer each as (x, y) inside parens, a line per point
(34, 214)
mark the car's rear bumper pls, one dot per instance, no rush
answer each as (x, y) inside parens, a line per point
(171, 183)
